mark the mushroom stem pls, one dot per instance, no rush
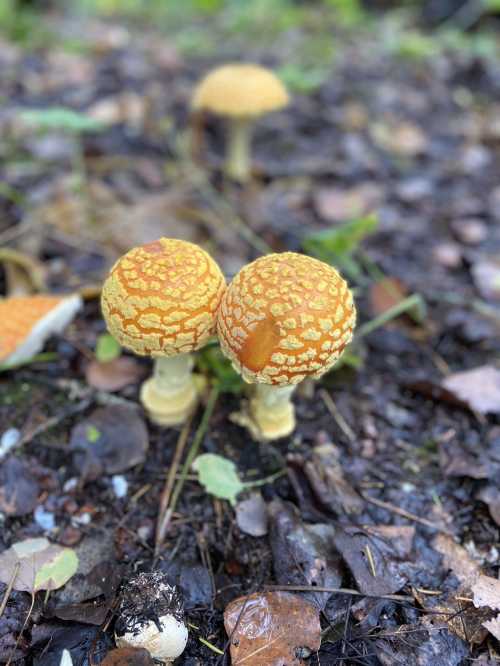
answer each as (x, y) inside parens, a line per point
(238, 149)
(170, 394)
(272, 410)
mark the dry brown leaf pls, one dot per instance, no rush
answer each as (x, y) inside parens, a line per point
(385, 294)
(337, 204)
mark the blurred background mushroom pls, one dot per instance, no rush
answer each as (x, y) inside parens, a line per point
(283, 317)
(160, 300)
(240, 93)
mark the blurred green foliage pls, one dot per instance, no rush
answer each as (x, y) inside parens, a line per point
(212, 362)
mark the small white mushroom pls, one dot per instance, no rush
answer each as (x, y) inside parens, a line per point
(151, 616)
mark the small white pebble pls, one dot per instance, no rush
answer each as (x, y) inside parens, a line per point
(70, 485)
(407, 487)
(120, 485)
(8, 441)
(45, 519)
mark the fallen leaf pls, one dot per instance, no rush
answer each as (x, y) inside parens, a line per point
(40, 565)
(275, 628)
(251, 515)
(107, 348)
(369, 560)
(328, 483)
(479, 388)
(114, 375)
(400, 138)
(218, 476)
(457, 559)
(112, 440)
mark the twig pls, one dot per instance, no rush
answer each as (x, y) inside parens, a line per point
(335, 412)
(9, 588)
(406, 514)
(338, 590)
(169, 483)
(195, 445)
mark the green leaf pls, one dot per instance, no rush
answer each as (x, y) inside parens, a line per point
(56, 571)
(61, 118)
(107, 348)
(340, 242)
(36, 564)
(218, 476)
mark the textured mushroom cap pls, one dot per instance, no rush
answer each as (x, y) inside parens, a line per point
(285, 316)
(240, 90)
(27, 321)
(161, 299)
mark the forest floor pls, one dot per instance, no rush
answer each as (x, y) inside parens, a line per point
(390, 486)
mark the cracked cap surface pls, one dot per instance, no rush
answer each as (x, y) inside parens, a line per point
(161, 299)
(240, 90)
(284, 317)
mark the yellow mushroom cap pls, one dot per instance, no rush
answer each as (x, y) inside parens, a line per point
(161, 299)
(27, 321)
(284, 317)
(240, 90)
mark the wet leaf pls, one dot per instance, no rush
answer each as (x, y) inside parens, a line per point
(107, 348)
(114, 375)
(218, 476)
(112, 440)
(272, 628)
(479, 388)
(40, 565)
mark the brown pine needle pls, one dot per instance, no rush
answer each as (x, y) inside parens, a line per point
(406, 514)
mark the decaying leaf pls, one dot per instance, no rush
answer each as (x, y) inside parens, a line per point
(40, 565)
(114, 375)
(272, 628)
(456, 559)
(251, 515)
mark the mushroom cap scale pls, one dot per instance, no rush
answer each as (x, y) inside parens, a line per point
(240, 90)
(284, 317)
(27, 321)
(161, 299)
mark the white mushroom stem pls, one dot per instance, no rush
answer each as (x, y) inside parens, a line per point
(172, 374)
(238, 149)
(170, 394)
(272, 410)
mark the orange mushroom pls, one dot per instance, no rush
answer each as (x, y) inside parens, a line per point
(160, 300)
(284, 317)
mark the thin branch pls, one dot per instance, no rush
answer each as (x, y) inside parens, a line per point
(406, 514)
(338, 590)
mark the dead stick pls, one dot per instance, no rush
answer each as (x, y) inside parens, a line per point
(406, 514)
(169, 483)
